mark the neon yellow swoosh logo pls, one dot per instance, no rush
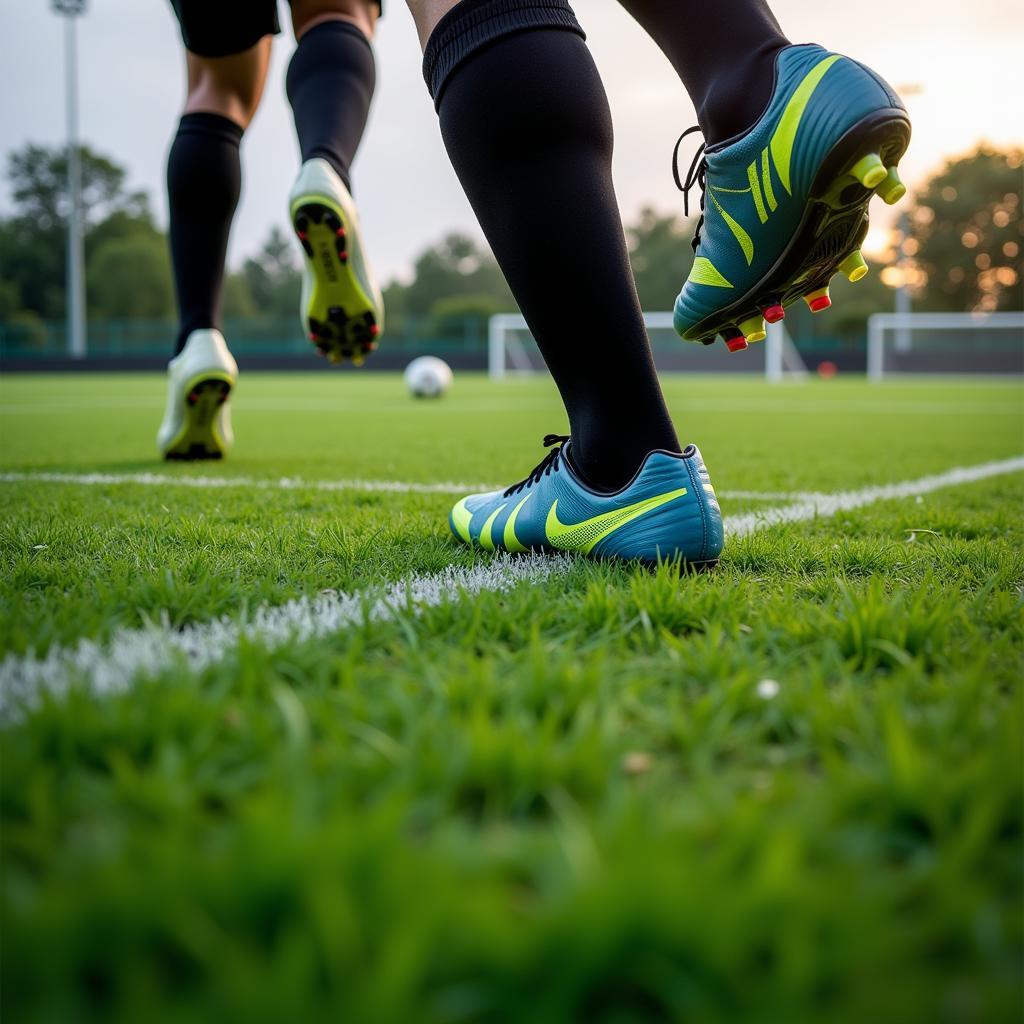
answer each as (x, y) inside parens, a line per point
(584, 536)
(460, 520)
(509, 539)
(486, 541)
(785, 134)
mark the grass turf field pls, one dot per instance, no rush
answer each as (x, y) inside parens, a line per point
(790, 790)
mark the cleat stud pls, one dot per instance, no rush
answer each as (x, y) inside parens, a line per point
(374, 330)
(343, 255)
(892, 190)
(818, 300)
(753, 329)
(869, 170)
(733, 338)
(340, 232)
(854, 266)
(773, 314)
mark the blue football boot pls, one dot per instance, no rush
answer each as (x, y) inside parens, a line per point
(784, 206)
(667, 511)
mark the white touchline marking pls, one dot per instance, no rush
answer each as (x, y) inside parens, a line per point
(204, 482)
(295, 483)
(823, 506)
(112, 667)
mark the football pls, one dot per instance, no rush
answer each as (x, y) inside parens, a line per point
(428, 377)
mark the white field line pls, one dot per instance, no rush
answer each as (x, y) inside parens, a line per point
(130, 653)
(295, 483)
(282, 483)
(823, 506)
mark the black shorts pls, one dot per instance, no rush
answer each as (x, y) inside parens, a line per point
(219, 28)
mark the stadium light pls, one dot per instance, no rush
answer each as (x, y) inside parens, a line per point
(71, 10)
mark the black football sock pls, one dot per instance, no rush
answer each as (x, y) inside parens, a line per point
(330, 83)
(724, 52)
(525, 120)
(204, 178)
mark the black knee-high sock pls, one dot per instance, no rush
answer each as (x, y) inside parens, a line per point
(204, 178)
(724, 52)
(330, 83)
(526, 123)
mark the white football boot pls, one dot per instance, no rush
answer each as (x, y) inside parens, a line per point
(341, 308)
(197, 424)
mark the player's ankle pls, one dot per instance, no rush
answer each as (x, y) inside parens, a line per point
(605, 467)
(736, 99)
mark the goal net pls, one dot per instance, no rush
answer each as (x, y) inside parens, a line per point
(511, 349)
(982, 343)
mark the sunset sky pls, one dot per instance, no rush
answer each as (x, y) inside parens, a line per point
(965, 59)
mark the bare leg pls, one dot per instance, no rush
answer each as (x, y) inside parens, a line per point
(230, 86)
(204, 176)
(307, 14)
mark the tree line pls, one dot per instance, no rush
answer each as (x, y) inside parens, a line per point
(961, 251)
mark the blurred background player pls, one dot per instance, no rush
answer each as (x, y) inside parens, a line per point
(797, 139)
(330, 84)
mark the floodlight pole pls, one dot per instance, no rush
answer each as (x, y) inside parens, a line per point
(903, 292)
(76, 342)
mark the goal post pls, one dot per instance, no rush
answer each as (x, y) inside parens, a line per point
(953, 343)
(511, 349)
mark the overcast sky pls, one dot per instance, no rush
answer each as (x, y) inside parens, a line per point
(965, 56)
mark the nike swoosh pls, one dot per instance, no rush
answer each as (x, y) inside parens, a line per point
(584, 536)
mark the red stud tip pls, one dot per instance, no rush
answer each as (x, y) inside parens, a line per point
(343, 255)
(773, 314)
(340, 232)
(737, 344)
(302, 235)
(374, 330)
(820, 303)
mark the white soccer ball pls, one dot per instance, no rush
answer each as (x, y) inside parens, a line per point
(428, 377)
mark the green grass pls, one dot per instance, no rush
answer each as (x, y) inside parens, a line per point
(564, 803)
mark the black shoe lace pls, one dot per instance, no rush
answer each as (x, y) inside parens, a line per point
(696, 175)
(548, 465)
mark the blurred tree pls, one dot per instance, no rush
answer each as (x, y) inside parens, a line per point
(272, 277)
(457, 266)
(38, 180)
(32, 238)
(661, 257)
(464, 316)
(967, 234)
(237, 298)
(130, 277)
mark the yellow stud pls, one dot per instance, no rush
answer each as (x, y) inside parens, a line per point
(854, 266)
(892, 190)
(753, 329)
(869, 170)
